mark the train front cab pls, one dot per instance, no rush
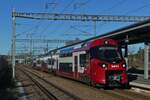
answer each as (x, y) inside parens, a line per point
(107, 66)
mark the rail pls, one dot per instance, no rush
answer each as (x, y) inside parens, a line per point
(54, 89)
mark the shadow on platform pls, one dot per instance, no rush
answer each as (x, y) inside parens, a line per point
(132, 77)
(136, 71)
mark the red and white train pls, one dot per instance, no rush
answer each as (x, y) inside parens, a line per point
(98, 62)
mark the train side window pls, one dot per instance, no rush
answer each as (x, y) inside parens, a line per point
(93, 52)
(51, 61)
(83, 58)
(66, 67)
(38, 62)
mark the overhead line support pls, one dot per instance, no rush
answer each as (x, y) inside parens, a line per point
(80, 17)
(42, 40)
(13, 43)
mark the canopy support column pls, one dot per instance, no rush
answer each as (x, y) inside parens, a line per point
(146, 57)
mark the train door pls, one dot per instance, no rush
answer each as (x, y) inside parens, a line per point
(57, 66)
(76, 66)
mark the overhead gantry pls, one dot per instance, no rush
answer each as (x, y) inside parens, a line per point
(70, 17)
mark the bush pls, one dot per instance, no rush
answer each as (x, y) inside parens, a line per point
(6, 82)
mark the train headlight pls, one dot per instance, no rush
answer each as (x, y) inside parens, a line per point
(104, 65)
(123, 65)
(106, 42)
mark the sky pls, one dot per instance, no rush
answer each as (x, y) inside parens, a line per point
(44, 29)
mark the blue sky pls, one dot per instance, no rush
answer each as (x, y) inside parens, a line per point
(64, 29)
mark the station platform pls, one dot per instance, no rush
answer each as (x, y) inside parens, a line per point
(137, 80)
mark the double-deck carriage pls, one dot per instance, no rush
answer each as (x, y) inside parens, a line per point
(98, 62)
(40, 64)
(37, 64)
(52, 63)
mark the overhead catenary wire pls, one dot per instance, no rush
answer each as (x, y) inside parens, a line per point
(47, 26)
(36, 27)
(38, 24)
(119, 3)
(134, 10)
(72, 12)
(66, 7)
(114, 6)
(78, 4)
(63, 10)
(137, 9)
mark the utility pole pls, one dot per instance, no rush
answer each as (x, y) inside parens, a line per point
(126, 51)
(47, 47)
(13, 43)
(30, 36)
(146, 60)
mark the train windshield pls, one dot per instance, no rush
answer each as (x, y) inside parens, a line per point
(110, 54)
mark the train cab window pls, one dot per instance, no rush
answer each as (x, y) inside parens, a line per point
(110, 54)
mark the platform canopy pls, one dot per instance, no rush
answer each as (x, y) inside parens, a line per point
(135, 33)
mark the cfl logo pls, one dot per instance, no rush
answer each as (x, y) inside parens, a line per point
(114, 66)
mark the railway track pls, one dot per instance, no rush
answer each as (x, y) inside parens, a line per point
(51, 91)
(87, 92)
(128, 94)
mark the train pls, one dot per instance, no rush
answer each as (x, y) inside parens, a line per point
(95, 62)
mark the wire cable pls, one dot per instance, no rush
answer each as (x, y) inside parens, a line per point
(137, 9)
(110, 9)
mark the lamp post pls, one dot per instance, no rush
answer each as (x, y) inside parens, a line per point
(13, 43)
